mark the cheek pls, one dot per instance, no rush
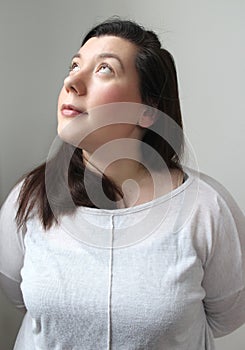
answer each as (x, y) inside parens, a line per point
(109, 95)
(118, 94)
(61, 96)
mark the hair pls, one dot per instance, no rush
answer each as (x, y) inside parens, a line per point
(158, 88)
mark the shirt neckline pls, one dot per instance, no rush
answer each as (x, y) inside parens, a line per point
(168, 196)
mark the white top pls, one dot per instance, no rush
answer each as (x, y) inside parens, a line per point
(168, 274)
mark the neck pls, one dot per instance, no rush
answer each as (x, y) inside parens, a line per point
(119, 161)
(138, 184)
(118, 171)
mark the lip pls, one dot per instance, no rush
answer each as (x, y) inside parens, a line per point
(69, 110)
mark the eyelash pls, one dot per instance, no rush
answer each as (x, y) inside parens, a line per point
(105, 65)
(74, 65)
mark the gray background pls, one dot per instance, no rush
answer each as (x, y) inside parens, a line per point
(206, 38)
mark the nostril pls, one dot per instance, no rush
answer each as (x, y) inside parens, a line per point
(69, 87)
(74, 84)
(73, 89)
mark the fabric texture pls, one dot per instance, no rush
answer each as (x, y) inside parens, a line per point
(168, 274)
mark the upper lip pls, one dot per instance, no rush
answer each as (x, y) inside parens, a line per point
(74, 108)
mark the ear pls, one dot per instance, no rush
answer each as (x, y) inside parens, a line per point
(148, 118)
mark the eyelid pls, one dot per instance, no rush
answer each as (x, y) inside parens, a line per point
(75, 64)
(105, 64)
(71, 66)
(109, 66)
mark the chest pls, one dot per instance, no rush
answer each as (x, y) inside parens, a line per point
(154, 285)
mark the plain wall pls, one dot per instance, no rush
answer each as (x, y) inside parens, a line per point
(206, 39)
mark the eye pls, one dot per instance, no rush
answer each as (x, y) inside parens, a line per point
(74, 67)
(105, 68)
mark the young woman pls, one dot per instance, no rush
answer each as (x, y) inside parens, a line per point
(113, 244)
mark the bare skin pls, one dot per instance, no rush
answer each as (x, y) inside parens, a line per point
(103, 72)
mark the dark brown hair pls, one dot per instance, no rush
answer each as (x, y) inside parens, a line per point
(158, 88)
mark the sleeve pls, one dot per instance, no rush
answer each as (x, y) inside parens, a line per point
(12, 250)
(224, 270)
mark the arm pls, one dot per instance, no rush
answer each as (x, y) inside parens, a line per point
(11, 251)
(224, 270)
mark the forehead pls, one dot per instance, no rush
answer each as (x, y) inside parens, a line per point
(109, 44)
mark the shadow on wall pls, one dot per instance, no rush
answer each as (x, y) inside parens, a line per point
(10, 320)
(10, 317)
(234, 341)
(1, 188)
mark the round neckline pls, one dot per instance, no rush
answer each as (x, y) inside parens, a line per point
(121, 211)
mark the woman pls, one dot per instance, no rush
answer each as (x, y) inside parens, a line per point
(112, 244)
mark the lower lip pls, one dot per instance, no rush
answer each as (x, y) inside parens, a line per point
(70, 112)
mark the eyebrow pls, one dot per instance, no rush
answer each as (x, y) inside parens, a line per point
(104, 55)
(111, 55)
(77, 55)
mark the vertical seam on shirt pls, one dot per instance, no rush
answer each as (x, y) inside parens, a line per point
(110, 284)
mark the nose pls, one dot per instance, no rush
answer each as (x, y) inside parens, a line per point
(75, 84)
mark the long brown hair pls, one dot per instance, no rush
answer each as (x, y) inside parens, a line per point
(158, 88)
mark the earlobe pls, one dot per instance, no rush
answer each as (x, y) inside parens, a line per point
(148, 118)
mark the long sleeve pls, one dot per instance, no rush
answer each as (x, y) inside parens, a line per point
(224, 278)
(11, 250)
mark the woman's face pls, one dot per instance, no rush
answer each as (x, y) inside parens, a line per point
(102, 72)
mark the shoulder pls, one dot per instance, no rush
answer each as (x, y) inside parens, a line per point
(217, 222)
(212, 196)
(214, 217)
(11, 202)
(12, 247)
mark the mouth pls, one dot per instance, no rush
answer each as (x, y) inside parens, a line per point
(71, 111)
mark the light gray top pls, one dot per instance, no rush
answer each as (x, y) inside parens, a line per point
(168, 274)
